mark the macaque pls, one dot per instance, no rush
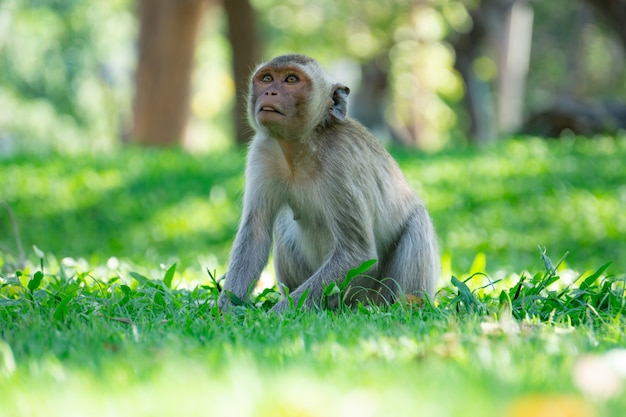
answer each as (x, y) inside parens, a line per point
(328, 196)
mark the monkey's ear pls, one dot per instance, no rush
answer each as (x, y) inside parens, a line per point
(339, 106)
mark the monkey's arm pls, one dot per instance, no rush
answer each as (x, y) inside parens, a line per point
(354, 244)
(252, 243)
(334, 270)
(248, 257)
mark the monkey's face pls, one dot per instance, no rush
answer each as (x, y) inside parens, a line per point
(279, 98)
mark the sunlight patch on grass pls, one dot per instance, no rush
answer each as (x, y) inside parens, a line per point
(192, 215)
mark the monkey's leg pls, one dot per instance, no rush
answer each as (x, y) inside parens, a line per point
(413, 266)
(290, 265)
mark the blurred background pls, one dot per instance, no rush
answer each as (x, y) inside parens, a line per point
(431, 74)
(121, 120)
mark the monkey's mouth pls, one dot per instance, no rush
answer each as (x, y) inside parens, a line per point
(269, 109)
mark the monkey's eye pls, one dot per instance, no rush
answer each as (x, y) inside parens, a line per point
(267, 78)
(291, 79)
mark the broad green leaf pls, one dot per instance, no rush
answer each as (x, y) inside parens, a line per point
(35, 282)
(302, 299)
(169, 275)
(587, 282)
(139, 278)
(61, 310)
(158, 299)
(233, 298)
(355, 272)
(465, 294)
(331, 289)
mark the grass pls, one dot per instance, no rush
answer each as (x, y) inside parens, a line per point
(151, 207)
(74, 344)
(92, 326)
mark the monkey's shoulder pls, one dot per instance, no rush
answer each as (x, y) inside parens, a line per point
(353, 136)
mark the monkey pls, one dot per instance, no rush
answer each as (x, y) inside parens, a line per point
(327, 195)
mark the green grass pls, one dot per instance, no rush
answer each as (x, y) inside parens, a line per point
(75, 344)
(153, 207)
(83, 334)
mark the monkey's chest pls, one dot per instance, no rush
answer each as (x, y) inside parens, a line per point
(309, 214)
(307, 230)
(307, 217)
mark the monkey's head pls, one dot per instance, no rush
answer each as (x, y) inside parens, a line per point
(292, 95)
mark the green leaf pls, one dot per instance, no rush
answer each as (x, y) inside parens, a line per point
(169, 275)
(267, 292)
(216, 282)
(61, 310)
(158, 299)
(302, 299)
(465, 294)
(139, 278)
(355, 272)
(236, 301)
(547, 262)
(35, 282)
(587, 282)
(331, 289)
(504, 298)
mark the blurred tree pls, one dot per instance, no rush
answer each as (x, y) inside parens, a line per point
(371, 98)
(167, 40)
(246, 52)
(63, 74)
(66, 67)
(477, 98)
(168, 34)
(614, 13)
(577, 81)
(364, 41)
(513, 39)
(498, 46)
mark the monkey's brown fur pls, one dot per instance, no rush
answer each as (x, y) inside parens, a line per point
(328, 195)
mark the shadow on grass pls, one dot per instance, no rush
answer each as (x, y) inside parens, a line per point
(146, 205)
(161, 206)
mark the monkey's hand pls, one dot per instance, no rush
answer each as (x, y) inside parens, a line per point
(229, 299)
(223, 302)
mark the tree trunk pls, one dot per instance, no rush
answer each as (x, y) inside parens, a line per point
(246, 55)
(167, 40)
(477, 99)
(514, 58)
(504, 27)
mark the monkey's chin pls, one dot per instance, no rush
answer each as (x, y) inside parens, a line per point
(265, 116)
